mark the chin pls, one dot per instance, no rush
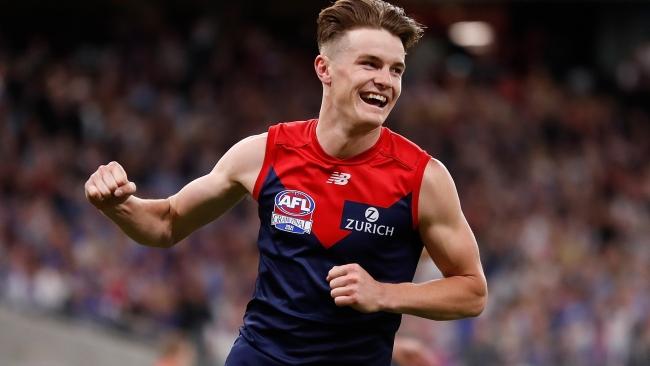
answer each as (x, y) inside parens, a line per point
(372, 121)
(376, 119)
(370, 116)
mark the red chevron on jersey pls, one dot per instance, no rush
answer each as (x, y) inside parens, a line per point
(378, 177)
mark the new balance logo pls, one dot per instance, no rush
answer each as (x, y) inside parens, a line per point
(339, 178)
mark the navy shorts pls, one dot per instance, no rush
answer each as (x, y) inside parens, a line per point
(243, 354)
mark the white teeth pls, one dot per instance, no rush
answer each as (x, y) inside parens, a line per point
(380, 98)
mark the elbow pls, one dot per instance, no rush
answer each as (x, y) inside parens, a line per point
(479, 301)
(166, 241)
(163, 242)
(477, 306)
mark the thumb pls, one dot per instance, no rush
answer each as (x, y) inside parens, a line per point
(125, 190)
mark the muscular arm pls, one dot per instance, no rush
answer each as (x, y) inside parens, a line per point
(164, 222)
(452, 246)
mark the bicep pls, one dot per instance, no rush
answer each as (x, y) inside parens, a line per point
(208, 197)
(444, 230)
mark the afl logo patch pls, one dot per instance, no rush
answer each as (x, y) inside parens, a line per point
(293, 212)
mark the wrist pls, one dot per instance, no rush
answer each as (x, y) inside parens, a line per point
(116, 209)
(386, 298)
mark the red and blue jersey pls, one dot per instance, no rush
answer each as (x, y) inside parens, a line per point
(316, 212)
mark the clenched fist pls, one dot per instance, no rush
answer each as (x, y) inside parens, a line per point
(352, 286)
(108, 186)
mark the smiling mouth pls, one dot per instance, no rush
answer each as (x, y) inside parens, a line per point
(374, 99)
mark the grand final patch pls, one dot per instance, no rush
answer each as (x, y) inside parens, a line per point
(293, 212)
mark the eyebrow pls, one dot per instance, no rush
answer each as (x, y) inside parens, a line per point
(377, 59)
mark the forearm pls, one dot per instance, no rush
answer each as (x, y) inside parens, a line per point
(448, 298)
(146, 221)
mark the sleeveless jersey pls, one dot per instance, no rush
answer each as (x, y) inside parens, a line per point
(316, 212)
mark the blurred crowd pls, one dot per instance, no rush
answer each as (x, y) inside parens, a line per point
(553, 175)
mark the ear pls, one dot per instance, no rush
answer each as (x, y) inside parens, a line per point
(322, 67)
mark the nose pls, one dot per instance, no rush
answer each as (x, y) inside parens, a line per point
(383, 78)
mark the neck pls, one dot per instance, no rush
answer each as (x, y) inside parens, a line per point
(343, 140)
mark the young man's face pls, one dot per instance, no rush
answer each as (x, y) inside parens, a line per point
(366, 67)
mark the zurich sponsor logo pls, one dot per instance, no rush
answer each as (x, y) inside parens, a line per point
(371, 214)
(365, 219)
(293, 212)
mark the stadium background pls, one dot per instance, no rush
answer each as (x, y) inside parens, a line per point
(546, 132)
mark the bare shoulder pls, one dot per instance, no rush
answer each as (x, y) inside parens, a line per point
(438, 196)
(251, 146)
(244, 160)
(254, 140)
(437, 180)
(436, 172)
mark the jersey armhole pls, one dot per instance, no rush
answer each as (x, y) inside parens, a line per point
(417, 184)
(268, 160)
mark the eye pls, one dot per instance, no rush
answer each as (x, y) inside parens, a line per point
(397, 71)
(369, 65)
